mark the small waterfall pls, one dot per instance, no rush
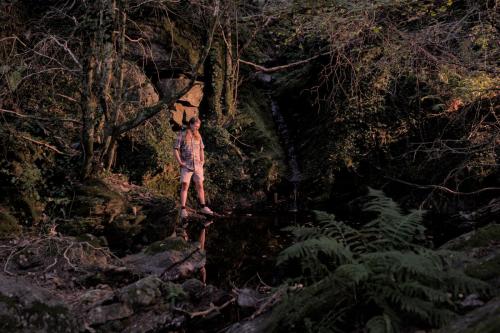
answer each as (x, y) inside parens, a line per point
(294, 176)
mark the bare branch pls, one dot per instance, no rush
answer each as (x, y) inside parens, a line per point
(45, 144)
(282, 67)
(42, 118)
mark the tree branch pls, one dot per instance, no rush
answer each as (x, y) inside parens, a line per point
(443, 188)
(278, 68)
(20, 115)
(43, 144)
(212, 308)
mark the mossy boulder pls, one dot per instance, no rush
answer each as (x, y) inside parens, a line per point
(481, 254)
(96, 198)
(482, 237)
(9, 227)
(485, 319)
(144, 292)
(487, 270)
(172, 259)
(28, 308)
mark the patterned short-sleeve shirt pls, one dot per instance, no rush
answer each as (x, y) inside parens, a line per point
(190, 150)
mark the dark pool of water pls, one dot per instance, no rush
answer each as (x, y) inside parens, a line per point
(243, 249)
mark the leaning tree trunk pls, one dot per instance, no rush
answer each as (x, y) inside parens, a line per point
(89, 107)
(115, 88)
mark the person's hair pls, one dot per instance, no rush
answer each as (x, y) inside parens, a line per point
(189, 132)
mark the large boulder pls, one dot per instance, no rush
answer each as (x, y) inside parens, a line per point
(181, 114)
(154, 53)
(144, 292)
(172, 258)
(194, 96)
(171, 87)
(165, 45)
(480, 254)
(483, 237)
(95, 198)
(138, 88)
(25, 307)
(485, 319)
(138, 307)
(186, 106)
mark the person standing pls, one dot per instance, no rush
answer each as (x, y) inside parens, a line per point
(189, 153)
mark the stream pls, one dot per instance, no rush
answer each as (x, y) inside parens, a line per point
(243, 249)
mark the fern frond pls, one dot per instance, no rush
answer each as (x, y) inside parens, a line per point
(416, 289)
(382, 267)
(301, 233)
(390, 223)
(380, 324)
(309, 249)
(352, 273)
(351, 237)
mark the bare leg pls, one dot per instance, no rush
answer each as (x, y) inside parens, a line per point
(184, 192)
(203, 275)
(201, 192)
(201, 239)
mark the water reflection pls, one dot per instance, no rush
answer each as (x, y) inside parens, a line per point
(240, 248)
(196, 231)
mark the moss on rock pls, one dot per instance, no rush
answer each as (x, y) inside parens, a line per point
(95, 198)
(28, 308)
(177, 244)
(9, 227)
(478, 238)
(488, 271)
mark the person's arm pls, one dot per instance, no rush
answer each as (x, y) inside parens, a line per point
(177, 148)
(178, 157)
(202, 152)
(202, 156)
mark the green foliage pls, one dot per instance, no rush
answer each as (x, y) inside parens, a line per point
(371, 92)
(381, 274)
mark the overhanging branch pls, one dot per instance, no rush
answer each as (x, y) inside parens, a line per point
(282, 67)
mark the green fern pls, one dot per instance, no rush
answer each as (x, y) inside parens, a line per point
(381, 268)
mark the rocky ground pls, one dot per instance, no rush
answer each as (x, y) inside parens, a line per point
(156, 283)
(152, 280)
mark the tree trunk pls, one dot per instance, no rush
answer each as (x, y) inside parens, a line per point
(217, 74)
(89, 107)
(229, 77)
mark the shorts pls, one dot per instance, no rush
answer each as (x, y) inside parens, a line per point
(197, 175)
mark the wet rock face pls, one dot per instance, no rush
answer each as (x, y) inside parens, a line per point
(28, 308)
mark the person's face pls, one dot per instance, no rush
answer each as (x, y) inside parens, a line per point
(195, 126)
